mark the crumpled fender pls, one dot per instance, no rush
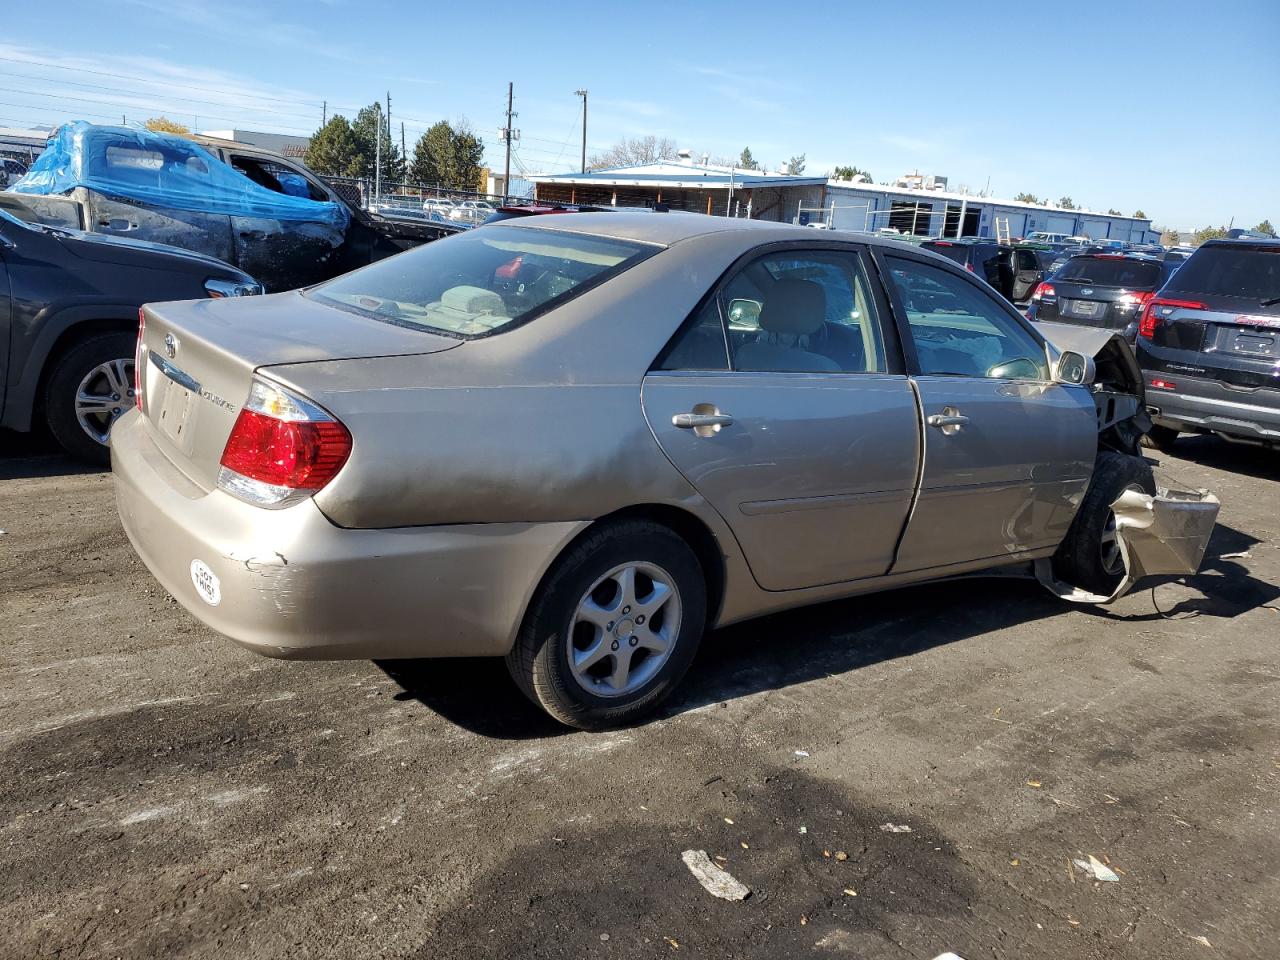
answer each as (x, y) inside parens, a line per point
(1164, 534)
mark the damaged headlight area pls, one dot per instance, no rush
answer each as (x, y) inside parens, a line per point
(1165, 534)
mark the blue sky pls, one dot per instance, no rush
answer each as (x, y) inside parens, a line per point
(1169, 106)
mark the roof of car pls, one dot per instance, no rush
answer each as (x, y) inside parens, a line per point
(1242, 242)
(664, 228)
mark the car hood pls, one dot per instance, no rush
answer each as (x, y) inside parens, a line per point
(109, 249)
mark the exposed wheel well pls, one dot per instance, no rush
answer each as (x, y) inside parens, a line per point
(685, 525)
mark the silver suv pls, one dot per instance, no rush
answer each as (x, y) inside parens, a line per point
(1209, 345)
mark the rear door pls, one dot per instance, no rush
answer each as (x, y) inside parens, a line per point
(783, 401)
(1007, 452)
(6, 306)
(142, 170)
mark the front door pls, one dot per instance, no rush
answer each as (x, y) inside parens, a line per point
(1007, 451)
(783, 407)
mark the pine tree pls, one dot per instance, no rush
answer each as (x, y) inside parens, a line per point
(334, 151)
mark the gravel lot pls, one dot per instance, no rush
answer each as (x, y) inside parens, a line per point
(166, 794)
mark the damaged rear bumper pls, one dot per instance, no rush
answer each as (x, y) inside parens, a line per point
(1165, 534)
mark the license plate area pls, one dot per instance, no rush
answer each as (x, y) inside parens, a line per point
(172, 408)
(1084, 308)
(1255, 344)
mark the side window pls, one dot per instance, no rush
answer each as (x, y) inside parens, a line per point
(700, 345)
(803, 312)
(960, 329)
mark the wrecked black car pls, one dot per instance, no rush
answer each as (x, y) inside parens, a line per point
(266, 214)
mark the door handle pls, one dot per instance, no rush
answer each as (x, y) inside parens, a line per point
(688, 421)
(253, 235)
(949, 421)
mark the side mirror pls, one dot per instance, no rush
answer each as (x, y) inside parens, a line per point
(744, 313)
(1075, 368)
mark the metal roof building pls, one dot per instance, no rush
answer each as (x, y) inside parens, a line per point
(859, 205)
(685, 185)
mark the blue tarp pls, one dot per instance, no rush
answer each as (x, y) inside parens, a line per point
(163, 170)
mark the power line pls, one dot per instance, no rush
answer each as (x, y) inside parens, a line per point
(129, 106)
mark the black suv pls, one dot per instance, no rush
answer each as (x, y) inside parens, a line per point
(991, 261)
(1106, 290)
(1209, 345)
(69, 305)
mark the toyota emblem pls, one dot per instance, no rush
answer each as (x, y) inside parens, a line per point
(171, 345)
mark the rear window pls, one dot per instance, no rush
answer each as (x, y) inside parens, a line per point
(1249, 272)
(1130, 274)
(482, 281)
(957, 252)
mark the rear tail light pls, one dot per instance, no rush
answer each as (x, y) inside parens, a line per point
(1044, 290)
(283, 448)
(1158, 309)
(1164, 384)
(218, 288)
(138, 355)
(1136, 298)
(969, 267)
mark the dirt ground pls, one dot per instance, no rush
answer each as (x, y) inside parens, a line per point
(166, 794)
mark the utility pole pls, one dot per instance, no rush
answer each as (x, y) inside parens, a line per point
(583, 95)
(506, 135)
(404, 151)
(377, 155)
(324, 114)
(389, 140)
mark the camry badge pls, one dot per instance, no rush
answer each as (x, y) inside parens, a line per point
(171, 345)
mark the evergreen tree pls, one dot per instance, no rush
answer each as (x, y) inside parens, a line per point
(334, 150)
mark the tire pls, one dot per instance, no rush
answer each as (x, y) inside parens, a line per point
(587, 585)
(1088, 558)
(91, 356)
(1161, 438)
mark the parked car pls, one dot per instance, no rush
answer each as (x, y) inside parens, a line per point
(579, 442)
(440, 204)
(11, 171)
(1209, 345)
(1031, 262)
(69, 305)
(988, 259)
(1105, 290)
(514, 211)
(228, 200)
(1043, 236)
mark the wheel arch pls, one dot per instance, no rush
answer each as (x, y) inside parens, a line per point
(59, 333)
(684, 523)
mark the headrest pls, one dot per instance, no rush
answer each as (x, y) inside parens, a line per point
(794, 307)
(467, 299)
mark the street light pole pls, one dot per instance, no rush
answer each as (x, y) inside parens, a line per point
(583, 95)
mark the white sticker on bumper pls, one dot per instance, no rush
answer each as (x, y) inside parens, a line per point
(206, 583)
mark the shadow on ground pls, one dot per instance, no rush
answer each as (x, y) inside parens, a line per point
(1206, 451)
(25, 456)
(795, 647)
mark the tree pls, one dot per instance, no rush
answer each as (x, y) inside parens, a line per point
(334, 150)
(1208, 233)
(635, 151)
(1113, 212)
(1170, 237)
(433, 158)
(468, 154)
(449, 156)
(747, 161)
(795, 166)
(1139, 215)
(1266, 227)
(1066, 203)
(368, 124)
(1027, 198)
(163, 124)
(850, 173)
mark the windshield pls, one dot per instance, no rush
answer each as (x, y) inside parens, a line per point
(483, 281)
(1103, 272)
(957, 252)
(1252, 272)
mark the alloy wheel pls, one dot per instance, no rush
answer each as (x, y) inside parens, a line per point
(104, 394)
(624, 629)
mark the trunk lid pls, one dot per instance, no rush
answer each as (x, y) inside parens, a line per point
(1230, 339)
(199, 358)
